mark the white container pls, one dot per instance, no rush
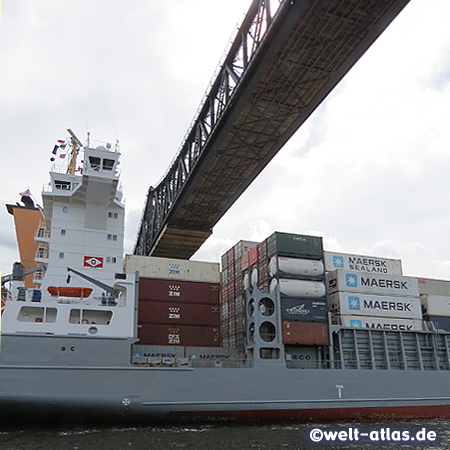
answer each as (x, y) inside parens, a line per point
(382, 323)
(359, 263)
(246, 281)
(299, 288)
(434, 287)
(372, 283)
(172, 269)
(350, 304)
(254, 277)
(281, 265)
(436, 305)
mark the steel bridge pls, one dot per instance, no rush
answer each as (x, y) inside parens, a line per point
(281, 65)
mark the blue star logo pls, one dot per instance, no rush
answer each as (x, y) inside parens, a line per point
(351, 280)
(353, 303)
(338, 262)
(355, 323)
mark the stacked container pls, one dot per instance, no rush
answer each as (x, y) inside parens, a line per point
(297, 276)
(370, 292)
(237, 261)
(178, 301)
(435, 299)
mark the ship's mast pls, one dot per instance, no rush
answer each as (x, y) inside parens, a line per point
(76, 144)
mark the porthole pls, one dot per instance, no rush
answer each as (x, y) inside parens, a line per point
(266, 307)
(267, 331)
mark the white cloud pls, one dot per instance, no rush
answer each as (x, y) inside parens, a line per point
(368, 171)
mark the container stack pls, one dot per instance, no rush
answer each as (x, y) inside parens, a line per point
(240, 259)
(178, 301)
(435, 299)
(297, 275)
(371, 292)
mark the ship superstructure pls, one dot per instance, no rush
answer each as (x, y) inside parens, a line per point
(81, 249)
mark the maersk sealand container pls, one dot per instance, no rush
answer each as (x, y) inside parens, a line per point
(360, 263)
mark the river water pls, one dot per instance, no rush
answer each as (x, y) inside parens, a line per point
(225, 436)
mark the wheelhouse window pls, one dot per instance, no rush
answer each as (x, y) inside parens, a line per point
(108, 164)
(94, 162)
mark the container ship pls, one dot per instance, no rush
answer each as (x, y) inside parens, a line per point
(278, 330)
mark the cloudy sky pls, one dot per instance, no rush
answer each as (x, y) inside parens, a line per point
(369, 171)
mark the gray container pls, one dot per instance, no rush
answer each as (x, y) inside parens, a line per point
(349, 304)
(434, 287)
(287, 244)
(159, 351)
(359, 263)
(439, 323)
(435, 305)
(211, 353)
(377, 284)
(303, 309)
(382, 323)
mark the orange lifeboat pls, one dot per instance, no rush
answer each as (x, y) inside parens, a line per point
(66, 291)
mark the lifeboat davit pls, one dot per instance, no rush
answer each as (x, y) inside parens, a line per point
(69, 291)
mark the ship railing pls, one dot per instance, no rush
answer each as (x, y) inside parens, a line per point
(42, 253)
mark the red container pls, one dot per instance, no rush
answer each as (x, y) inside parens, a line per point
(180, 291)
(169, 312)
(309, 333)
(253, 256)
(245, 261)
(179, 335)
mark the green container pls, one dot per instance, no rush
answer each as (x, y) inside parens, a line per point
(296, 245)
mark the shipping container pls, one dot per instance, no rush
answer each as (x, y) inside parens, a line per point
(298, 288)
(170, 312)
(434, 287)
(245, 262)
(253, 256)
(243, 247)
(359, 263)
(306, 333)
(382, 323)
(172, 269)
(211, 353)
(371, 283)
(349, 304)
(287, 244)
(159, 351)
(301, 353)
(182, 291)
(303, 309)
(295, 267)
(182, 335)
(439, 323)
(262, 267)
(435, 305)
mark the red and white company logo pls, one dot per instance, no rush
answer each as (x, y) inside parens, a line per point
(93, 261)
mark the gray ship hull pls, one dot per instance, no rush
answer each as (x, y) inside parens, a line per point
(107, 383)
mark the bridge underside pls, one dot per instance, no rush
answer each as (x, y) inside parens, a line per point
(303, 56)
